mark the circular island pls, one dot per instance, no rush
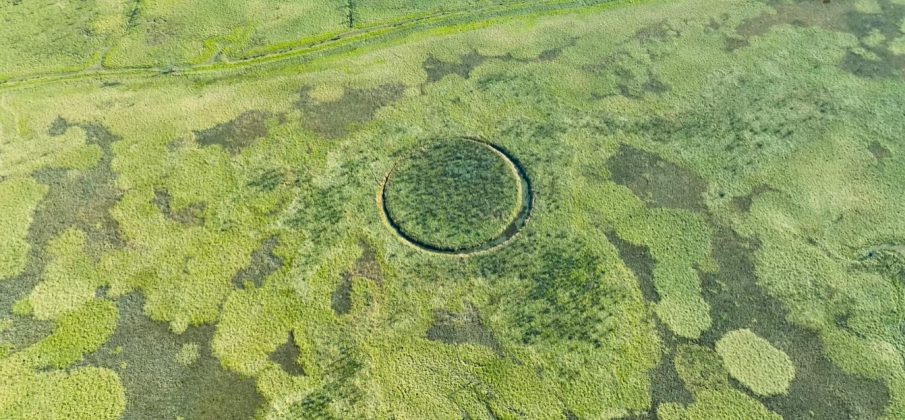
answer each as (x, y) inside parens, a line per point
(456, 196)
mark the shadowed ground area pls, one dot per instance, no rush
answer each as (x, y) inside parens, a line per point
(159, 382)
(263, 263)
(237, 134)
(461, 328)
(76, 199)
(287, 356)
(191, 215)
(356, 106)
(365, 268)
(821, 389)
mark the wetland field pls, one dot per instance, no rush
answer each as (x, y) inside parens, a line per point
(467, 209)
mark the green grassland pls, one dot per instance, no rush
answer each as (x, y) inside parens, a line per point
(191, 222)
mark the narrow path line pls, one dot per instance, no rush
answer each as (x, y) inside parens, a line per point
(324, 47)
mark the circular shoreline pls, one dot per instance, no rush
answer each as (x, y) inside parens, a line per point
(514, 226)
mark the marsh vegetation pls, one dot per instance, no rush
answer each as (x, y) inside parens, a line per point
(221, 209)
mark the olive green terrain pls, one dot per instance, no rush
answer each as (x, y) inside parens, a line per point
(190, 224)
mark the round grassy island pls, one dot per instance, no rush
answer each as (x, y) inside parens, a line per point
(455, 195)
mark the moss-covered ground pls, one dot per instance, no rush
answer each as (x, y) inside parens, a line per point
(191, 223)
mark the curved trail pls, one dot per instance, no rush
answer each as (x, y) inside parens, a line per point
(325, 46)
(526, 204)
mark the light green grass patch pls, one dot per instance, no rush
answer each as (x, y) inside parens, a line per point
(75, 334)
(82, 393)
(18, 199)
(752, 360)
(868, 6)
(36, 149)
(724, 404)
(47, 35)
(188, 354)
(69, 280)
